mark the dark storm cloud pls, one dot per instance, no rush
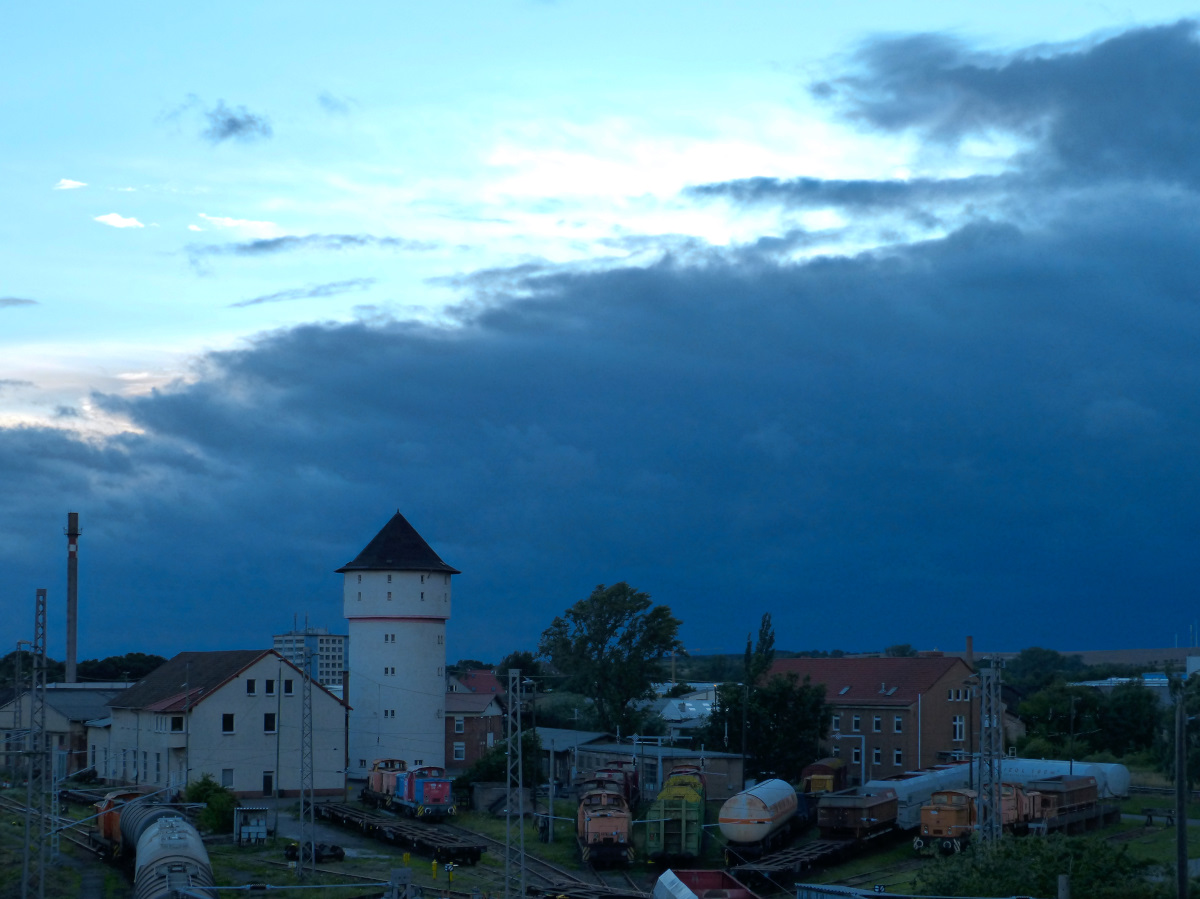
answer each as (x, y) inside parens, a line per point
(312, 291)
(333, 242)
(1124, 107)
(16, 301)
(859, 195)
(991, 431)
(238, 124)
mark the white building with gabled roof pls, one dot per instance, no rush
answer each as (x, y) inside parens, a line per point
(235, 715)
(396, 599)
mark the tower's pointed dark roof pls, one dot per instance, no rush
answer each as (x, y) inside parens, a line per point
(398, 547)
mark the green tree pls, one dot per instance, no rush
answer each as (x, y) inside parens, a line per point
(900, 651)
(1035, 669)
(217, 815)
(758, 662)
(784, 722)
(610, 648)
(1030, 867)
(525, 662)
(1130, 719)
(1067, 718)
(132, 666)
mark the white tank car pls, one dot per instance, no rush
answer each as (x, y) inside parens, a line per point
(756, 813)
(170, 857)
(916, 788)
(1112, 780)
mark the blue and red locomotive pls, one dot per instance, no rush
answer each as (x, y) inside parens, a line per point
(424, 792)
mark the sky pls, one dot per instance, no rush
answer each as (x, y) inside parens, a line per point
(879, 317)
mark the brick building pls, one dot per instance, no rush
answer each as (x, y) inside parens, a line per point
(474, 724)
(894, 714)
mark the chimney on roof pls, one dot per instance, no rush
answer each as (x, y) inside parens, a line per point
(883, 687)
(72, 533)
(970, 657)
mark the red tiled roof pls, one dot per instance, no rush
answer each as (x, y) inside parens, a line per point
(879, 681)
(468, 702)
(480, 680)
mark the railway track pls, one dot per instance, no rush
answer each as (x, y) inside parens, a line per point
(546, 871)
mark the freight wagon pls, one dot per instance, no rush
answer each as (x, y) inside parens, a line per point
(675, 820)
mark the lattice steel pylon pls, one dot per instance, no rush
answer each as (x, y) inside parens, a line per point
(991, 752)
(37, 759)
(514, 806)
(308, 828)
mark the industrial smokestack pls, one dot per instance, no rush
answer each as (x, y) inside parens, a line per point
(72, 533)
(970, 659)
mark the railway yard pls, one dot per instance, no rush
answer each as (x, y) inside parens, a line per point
(466, 858)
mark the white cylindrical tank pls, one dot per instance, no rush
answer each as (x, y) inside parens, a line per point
(1112, 780)
(756, 813)
(915, 788)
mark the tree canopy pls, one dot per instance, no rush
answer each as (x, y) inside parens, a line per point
(1030, 867)
(610, 648)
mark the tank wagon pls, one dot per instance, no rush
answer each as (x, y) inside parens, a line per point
(914, 789)
(423, 792)
(163, 848)
(602, 828)
(1112, 780)
(760, 818)
(675, 821)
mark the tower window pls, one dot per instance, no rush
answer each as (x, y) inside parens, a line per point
(389, 596)
(389, 578)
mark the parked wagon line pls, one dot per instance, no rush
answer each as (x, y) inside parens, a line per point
(437, 842)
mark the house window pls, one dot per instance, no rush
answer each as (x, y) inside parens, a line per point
(177, 724)
(856, 755)
(362, 763)
(250, 686)
(287, 688)
(158, 767)
(360, 581)
(389, 596)
(227, 723)
(389, 578)
(876, 756)
(877, 724)
(270, 687)
(898, 725)
(418, 762)
(460, 752)
(459, 725)
(950, 694)
(856, 723)
(422, 596)
(360, 596)
(959, 727)
(898, 758)
(227, 778)
(837, 722)
(441, 638)
(837, 749)
(269, 723)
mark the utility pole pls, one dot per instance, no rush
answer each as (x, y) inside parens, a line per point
(514, 806)
(1181, 846)
(72, 533)
(991, 751)
(308, 828)
(33, 868)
